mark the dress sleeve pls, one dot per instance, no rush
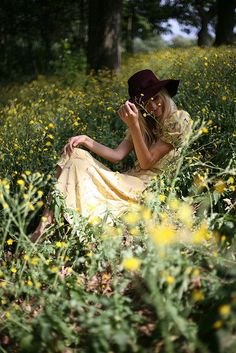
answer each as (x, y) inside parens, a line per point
(177, 129)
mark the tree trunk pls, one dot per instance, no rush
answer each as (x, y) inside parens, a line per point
(203, 35)
(104, 34)
(225, 22)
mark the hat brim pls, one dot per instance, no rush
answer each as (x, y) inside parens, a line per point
(170, 85)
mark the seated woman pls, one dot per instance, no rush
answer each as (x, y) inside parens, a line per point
(156, 131)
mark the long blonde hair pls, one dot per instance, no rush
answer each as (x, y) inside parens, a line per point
(150, 125)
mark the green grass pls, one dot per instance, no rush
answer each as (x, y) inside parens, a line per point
(162, 280)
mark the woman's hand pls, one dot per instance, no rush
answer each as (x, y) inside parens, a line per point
(129, 113)
(74, 142)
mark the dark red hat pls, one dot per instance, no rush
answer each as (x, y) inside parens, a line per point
(144, 84)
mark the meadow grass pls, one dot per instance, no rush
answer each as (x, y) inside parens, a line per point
(162, 279)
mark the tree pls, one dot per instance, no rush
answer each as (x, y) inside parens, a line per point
(104, 34)
(196, 13)
(225, 22)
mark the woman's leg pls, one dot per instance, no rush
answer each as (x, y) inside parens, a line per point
(47, 216)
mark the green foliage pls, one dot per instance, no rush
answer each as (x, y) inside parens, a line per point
(163, 278)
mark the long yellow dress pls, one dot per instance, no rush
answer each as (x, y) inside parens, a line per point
(93, 190)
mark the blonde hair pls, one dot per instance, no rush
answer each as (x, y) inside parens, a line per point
(149, 125)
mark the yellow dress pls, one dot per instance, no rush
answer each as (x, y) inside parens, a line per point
(93, 190)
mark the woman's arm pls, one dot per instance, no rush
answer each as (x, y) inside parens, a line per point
(146, 157)
(112, 155)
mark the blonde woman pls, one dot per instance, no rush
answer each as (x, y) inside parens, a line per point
(156, 131)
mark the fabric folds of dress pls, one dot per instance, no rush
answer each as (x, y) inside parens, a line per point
(92, 189)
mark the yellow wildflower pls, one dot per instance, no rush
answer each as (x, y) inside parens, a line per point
(201, 234)
(197, 295)
(162, 198)
(170, 279)
(13, 270)
(20, 182)
(131, 264)
(10, 241)
(220, 186)
(185, 214)
(217, 324)
(131, 218)
(162, 234)
(224, 310)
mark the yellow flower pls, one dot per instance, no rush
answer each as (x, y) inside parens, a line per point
(131, 218)
(230, 180)
(201, 234)
(40, 193)
(197, 295)
(26, 257)
(95, 220)
(162, 234)
(20, 182)
(35, 261)
(51, 125)
(43, 219)
(232, 188)
(162, 198)
(174, 204)
(13, 270)
(220, 186)
(10, 241)
(199, 181)
(54, 269)
(217, 324)
(185, 214)
(40, 203)
(29, 283)
(224, 310)
(146, 213)
(27, 172)
(170, 279)
(131, 264)
(134, 231)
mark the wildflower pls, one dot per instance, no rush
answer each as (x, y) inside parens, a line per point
(170, 279)
(13, 270)
(185, 214)
(26, 257)
(217, 324)
(60, 244)
(43, 219)
(35, 261)
(40, 203)
(201, 234)
(146, 213)
(199, 181)
(131, 218)
(10, 241)
(197, 295)
(54, 269)
(162, 234)
(220, 186)
(174, 204)
(51, 126)
(40, 193)
(20, 182)
(232, 188)
(27, 172)
(224, 310)
(230, 180)
(162, 198)
(131, 264)
(134, 231)
(29, 283)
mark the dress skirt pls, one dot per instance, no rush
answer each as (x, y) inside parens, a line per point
(93, 190)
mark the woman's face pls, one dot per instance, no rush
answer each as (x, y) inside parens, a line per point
(154, 106)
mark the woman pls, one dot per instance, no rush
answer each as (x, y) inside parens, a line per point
(156, 130)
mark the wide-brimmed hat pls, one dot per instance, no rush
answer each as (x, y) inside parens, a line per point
(144, 84)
